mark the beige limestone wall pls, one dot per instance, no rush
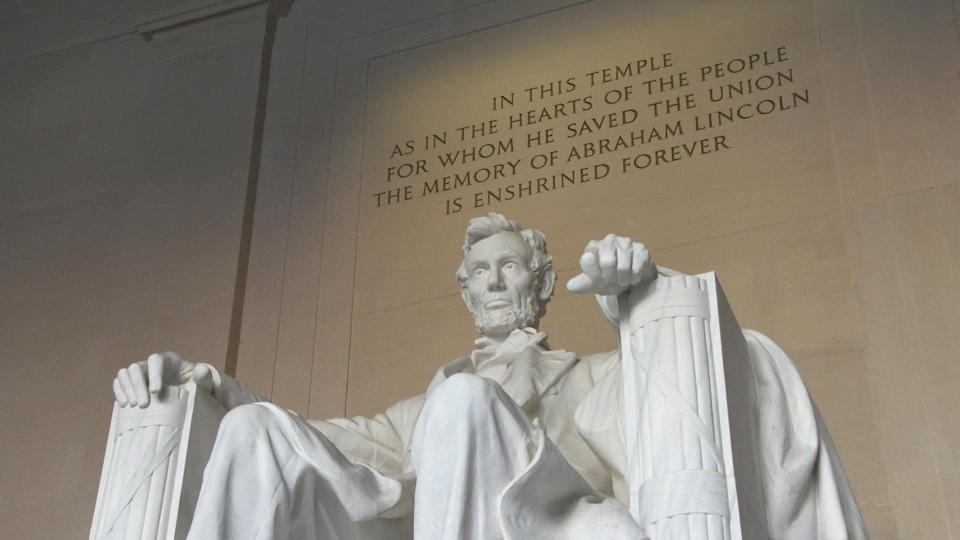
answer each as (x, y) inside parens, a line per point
(123, 166)
(832, 226)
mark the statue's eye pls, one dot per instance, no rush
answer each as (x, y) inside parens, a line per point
(510, 266)
(479, 271)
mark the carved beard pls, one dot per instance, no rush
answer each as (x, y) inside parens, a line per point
(522, 316)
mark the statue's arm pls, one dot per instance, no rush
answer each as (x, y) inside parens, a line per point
(135, 385)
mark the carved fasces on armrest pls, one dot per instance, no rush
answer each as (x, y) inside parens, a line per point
(153, 465)
(677, 338)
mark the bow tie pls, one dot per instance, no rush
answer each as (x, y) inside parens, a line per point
(523, 369)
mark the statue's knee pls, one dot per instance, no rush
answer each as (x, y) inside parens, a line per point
(246, 422)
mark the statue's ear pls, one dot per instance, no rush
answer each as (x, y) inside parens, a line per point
(547, 280)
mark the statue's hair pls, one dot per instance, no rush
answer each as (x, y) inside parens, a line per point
(541, 263)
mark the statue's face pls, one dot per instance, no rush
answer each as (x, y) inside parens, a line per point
(500, 288)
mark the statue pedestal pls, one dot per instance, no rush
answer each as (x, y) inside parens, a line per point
(154, 465)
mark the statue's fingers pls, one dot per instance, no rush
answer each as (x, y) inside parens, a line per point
(590, 264)
(580, 284)
(139, 383)
(649, 267)
(175, 368)
(119, 394)
(623, 267)
(155, 373)
(624, 261)
(124, 377)
(640, 264)
(202, 376)
(608, 262)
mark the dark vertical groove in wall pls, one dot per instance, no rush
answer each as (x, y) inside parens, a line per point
(250, 202)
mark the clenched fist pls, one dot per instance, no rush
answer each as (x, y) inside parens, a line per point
(613, 265)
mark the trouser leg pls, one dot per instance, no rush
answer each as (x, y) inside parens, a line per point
(271, 476)
(470, 442)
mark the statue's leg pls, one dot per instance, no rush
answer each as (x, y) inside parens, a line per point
(485, 472)
(470, 441)
(269, 477)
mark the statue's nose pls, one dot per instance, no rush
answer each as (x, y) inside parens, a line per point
(495, 279)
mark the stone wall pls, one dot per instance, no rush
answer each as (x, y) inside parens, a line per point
(124, 170)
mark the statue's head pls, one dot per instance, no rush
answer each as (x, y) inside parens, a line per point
(507, 276)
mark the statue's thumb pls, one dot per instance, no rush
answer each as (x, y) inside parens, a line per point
(203, 376)
(580, 284)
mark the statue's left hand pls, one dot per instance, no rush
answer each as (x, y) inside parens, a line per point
(613, 265)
